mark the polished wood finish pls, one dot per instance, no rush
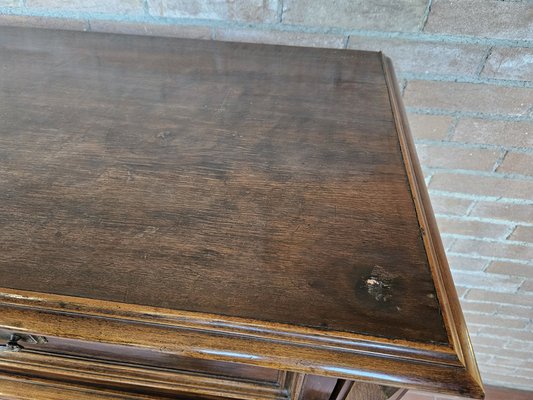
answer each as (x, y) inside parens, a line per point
(208, 170)
(220, 201)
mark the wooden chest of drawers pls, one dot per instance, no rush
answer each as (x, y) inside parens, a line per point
(201, 220)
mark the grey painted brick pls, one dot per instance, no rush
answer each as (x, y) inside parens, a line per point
(406, 15)
(137, 28)
(121, 7)
(425, 57)
(280, 37)
(502, 133)
(509, 63)
(483, 18)
(250, 11)
(454, 96)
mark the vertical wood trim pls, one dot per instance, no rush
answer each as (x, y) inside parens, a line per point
(295, 385)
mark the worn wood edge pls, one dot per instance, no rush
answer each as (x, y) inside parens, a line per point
(252, 329)
(223, 346)
(446, 292)
(132, 377)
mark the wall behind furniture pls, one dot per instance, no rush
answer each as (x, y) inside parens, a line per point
(466, 70)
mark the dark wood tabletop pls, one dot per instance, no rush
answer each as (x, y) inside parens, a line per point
(267, 183)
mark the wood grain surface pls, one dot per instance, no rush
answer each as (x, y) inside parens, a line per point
(263, 182)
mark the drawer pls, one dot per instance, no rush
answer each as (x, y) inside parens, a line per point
(57, 364)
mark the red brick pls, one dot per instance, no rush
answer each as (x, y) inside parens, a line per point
(503, 211)
(425, 57)
(508, 268)
(515, 381)
(449, 205)
(474, 97)
(515, 311)
(481, 280)
(434, 127)
(43, 22)
(133, 28)
(472, 228)
(487, 341)
(514, 357)
(249, 11)
(502, 133)
(517, 163)
(523, 234)
(509, 63)
(492, 249)
(476, 307)
(520, 345)
(400, 15)
(435, 156)
(498, 321)
(485, 18)
(499, 379)
(130, 7)
(280, 37)
(482, 185)
(502, 366)
(462, 263)
(501, 357)
(506, 298)
(527, 288)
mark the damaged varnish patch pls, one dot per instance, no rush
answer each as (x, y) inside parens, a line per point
(379, 284)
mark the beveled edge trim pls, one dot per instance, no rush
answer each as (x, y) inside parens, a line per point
(446, 292)
(233, 326)
(269, 345)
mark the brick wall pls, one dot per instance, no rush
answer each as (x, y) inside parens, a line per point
(466, 69)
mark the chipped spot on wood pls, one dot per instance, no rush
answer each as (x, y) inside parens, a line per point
(379, 284)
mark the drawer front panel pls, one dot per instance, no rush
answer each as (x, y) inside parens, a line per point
(141, 370)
